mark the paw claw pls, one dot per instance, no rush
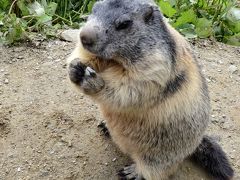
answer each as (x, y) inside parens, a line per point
(90, 72)
(128, 172)
(122, 173)
(78, 71)
(103, 129)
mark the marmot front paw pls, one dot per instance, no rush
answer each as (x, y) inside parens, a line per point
(85, 77)
(78, 70)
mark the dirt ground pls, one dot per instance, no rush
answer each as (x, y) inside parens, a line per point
(49, 131)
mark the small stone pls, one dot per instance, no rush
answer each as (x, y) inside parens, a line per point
(205, 43)
(214, 121)
(232, 157)
(216, 100)
(220, 62)
(232, 69)
(37, 43)
(20, 57)
(18, 169)
(6, 81)
(57, 60)
(114, 159)
(226, 125)
(208, 80)
(70, 35)
(2, 70)
(52, 152)
(69, 143)
(44, 173)
(10, 156)
(106, 164)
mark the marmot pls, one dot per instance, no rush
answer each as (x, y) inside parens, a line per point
(150, 89)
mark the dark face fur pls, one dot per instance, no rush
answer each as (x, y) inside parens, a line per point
(125, 29)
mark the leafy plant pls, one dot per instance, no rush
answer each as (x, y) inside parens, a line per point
(204, 18)
(23, 19)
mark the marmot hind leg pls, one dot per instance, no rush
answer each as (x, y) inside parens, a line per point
(103, 129)
(129, 173)
(142, 171)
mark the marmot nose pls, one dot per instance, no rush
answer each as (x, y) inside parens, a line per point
(88, 37)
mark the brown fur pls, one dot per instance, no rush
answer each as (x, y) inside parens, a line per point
(149, 87)
(121, 119)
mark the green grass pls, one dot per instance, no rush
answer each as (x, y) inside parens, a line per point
(24, 19)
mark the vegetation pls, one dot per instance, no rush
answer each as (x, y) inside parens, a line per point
(204, 18)
(28, 19)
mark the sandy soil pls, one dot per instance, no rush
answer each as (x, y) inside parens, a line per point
(49, 131)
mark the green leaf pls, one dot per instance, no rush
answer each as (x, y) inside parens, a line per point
(44, 3)
(204, 28)
(22, 6)
(4, 4)
(90, 6)
(36, 8)
(188, 30)
(2, 15)
(233, 14)
(234, 26)
(226, 31)
(50, 32)
(202, 3)
(167, 9)
(57, 26)
(193, 1)
(51, 8)
(233, 19)
(237, 27)
(233, 40)
(44, 19)
(172, 2)
(16, 31)
(186, 17)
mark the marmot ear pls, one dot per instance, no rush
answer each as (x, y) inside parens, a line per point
(148, 12)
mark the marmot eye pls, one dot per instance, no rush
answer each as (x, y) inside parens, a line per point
(123, 25)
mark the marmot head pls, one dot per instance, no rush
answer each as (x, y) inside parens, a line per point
(123, 29)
